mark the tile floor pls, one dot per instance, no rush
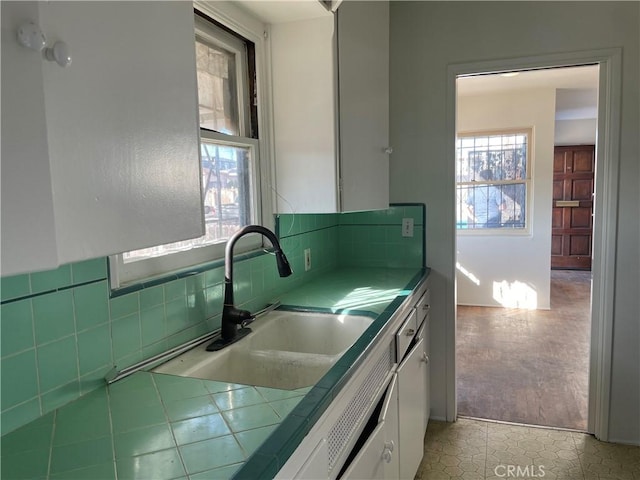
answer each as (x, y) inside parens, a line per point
(472, 449)
(528, 366)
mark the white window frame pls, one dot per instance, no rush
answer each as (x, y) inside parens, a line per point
(124, 274)
(232, 44)
(528, 183)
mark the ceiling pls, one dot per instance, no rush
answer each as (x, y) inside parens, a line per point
(279, 11)
(576, 88)
(583, 78)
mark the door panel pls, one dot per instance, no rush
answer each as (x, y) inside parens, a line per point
(572, 225)
(580, 217)
(582, 189)
(580, 245)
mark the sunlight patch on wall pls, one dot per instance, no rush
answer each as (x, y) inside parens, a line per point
(467, 273)
(515, 295)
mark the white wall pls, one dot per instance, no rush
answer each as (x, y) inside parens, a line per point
(426, 38)
(511, 269)
(576, 132)
(576, 116)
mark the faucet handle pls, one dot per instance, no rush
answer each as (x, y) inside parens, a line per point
(236, 315)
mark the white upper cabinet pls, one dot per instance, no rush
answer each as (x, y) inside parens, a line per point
(363, 73)
(330, 79)
(102, 156)
(28, 229)
(305, 113)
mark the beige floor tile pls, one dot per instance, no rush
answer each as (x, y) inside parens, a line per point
(601, 460)
(471, 449)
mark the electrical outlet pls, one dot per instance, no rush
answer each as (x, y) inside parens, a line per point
(307, 259)
(407, 227)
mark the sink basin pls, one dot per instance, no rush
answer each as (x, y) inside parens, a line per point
(286, 350)
(315, 333)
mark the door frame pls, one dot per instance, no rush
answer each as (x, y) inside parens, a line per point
(605, 215)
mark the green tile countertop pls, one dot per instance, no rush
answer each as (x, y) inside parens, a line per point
(353, 289)
(157, 426)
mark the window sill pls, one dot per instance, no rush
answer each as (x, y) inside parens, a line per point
(187, 272)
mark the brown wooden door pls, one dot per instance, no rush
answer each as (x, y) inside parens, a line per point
(572, 220)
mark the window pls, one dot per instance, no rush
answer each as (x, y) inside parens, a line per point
(230, 156)
(492, 180)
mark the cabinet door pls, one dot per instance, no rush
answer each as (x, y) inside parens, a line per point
(378, 458)
(363, 73)
(369, 463)
(304, 115)
(122, 126)
(119, 164)
(427, 367)
(28, 229)
(317, 465)
(391, 456)
(411, 404)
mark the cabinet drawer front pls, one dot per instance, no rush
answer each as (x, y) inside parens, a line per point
(423, 307)
(406, 334)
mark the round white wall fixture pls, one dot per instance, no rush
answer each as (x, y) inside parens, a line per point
(30, 35)
(59, 54)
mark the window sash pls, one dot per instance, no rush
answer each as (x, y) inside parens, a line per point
(204, 34)
(485, 150)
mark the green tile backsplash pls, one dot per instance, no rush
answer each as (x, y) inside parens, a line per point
(61, 332)
(374, 239)
(15, 287)
(51, 280)
(17, 327)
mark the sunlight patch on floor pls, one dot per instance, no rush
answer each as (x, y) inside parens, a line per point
(515, 295)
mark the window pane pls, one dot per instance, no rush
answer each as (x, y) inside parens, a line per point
(491, 172)
(226, 184)
(491, 206)
(217, 89)
(514, 211)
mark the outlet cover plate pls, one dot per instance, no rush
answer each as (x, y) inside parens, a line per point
(307, 259)
(407, 227)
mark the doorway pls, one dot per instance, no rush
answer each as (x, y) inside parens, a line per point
(523, 330)
(528, 366)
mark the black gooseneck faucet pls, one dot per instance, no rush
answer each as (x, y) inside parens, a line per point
(232, 316)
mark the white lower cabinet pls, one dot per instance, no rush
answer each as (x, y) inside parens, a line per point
(378, 457)
(316, 465)
(375, 426)
(427, 383)
(412, 379)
